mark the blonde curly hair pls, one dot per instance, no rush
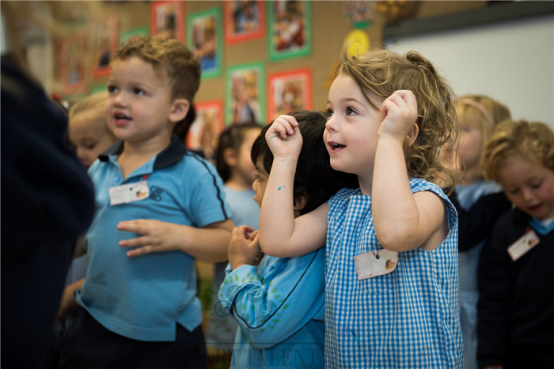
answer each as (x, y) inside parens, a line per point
(168, 56)
(381, 73)
(533, 141)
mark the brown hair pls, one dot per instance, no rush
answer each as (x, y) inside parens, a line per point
(169, 56)
(533, 141)
(381, 73)
(94, 105)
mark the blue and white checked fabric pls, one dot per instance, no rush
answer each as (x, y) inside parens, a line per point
(406, 319)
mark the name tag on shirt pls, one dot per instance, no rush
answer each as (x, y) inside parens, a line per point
(523, 245)
(129, 193)
(376, 263)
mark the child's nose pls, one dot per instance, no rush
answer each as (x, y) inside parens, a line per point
(527, 194)
(331, 124)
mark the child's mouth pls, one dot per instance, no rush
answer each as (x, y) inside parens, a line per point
(335, 146)
(121, 119)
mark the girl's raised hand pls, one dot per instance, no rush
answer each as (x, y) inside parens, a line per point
(244, 248)
(400, 114)
(283, 137)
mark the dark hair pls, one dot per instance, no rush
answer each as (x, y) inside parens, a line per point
(231, 137)
(314, 177)
(181, 128)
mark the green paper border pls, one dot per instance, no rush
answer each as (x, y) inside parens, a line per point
(273, 54)
(215, 12)
(141, 31)
(261, 89)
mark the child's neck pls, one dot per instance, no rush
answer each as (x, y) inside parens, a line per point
(238, 183)
(135, 155)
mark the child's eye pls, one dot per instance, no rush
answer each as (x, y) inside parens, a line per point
(512, 191)
(112, 88)
(138, 91)
(350, 111)
(536, 185)
(329, 113)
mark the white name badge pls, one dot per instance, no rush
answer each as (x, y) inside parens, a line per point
(523, 245)
(375, 263)
(129, 193)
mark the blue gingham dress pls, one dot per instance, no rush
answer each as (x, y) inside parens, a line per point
(405, 319)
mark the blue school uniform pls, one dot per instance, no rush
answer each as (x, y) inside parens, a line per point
(467, 264)
(279, 306)
(145, 297)
(408, 318)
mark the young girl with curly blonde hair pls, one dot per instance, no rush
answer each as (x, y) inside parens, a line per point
(391, 291)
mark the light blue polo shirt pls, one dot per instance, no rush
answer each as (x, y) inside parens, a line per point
(144, 297)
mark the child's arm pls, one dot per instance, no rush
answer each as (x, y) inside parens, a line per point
(208, 243)
(273, 304)
(282, 235)
(403, 220)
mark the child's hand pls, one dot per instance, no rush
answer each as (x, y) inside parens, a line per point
(157, 236)
(399, 114)
(68, 300)
(284, 138)
(244, 248)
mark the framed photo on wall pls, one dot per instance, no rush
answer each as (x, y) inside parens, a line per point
(167, 19)
(289, 29)
(204, 131)
(245, 93)
(289, 91)
(72, 64)
(104, 42)
(244, 20)
(205, 39)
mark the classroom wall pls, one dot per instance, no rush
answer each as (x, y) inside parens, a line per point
(511, 61)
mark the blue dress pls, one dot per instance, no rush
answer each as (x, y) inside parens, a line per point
(408, 318)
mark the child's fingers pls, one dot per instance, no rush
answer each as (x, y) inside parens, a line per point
(135, 226)
(140, 251)
(143, 240)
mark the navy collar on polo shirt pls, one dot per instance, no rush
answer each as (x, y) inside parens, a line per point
(167, 157)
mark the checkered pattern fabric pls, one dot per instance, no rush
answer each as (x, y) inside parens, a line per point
(405, 319)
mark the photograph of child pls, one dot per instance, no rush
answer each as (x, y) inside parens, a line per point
(290, 35)
(244, 20)
(206, 128)
(104, 42)
(245, 94)
(167, 19)
(204, 39)
(289, 91)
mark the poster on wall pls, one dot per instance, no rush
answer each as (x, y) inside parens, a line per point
(167, 19)
(72, 64)
(289, 29)
(245, 93)
(104, 42)
(204, 131)
(359, 12)
(244, 20)
(289, 91)
(204, 38)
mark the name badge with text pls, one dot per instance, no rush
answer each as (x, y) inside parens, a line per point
(129, 193)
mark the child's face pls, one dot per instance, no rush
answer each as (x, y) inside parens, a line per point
(351, 130)
(245, 168)
(529, 186)
(139, 103)
(260, 183)
(471, 144)
(90, 138)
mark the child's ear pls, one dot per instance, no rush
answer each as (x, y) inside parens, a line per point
(300, 202)
(179, 110)
(412, 136)
(230, 157)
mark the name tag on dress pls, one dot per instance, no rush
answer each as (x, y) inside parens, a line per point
(375, 263)
(129, 193)
(523, 245)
